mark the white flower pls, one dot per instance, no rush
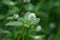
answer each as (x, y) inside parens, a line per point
(38, 28)
(26, 1)
(32, 16)
(16, 16)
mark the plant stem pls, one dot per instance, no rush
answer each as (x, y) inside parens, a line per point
(29, 32)
(23, 33)
(14, 33)
(18, 38)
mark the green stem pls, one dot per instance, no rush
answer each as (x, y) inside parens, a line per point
(14, 33)
(29, 32)
(39, 5)
(23, 36)
(18, 38)
(23, 33)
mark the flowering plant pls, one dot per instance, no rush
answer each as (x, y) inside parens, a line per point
(29, 20)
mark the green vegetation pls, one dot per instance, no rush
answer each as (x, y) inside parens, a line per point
(29, 19)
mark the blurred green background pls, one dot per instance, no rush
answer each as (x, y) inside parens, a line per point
(14, 26)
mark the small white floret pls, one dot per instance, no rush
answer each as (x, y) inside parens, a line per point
(32, 16)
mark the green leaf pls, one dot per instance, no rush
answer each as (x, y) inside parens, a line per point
(38, 37)
(9, 2)
(35, 21)
(8, 36)
(28, 7)
(57, 37)
(10, 18)
(26, 23)
(14, 10)
(50, 37)
(5, 31)
(1, 17)
(18, 32)
(26, 15)
(21, 19)
(14, 23)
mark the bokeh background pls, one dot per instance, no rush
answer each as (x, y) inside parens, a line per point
(48, 11)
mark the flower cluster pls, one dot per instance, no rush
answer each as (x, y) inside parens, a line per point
(32, 16)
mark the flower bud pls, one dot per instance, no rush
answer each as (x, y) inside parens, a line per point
(38, 28)
(16, 16)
